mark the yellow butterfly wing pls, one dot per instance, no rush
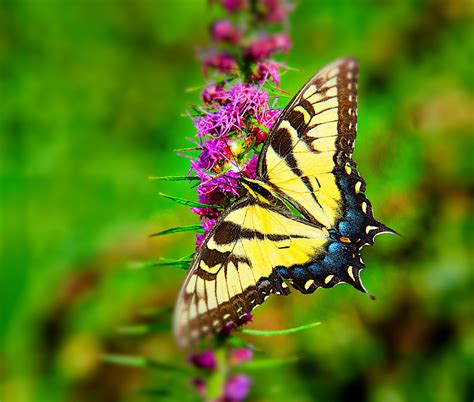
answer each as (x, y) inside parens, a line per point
(314, 135)
(236, 267)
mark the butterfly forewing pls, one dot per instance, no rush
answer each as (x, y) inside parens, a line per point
(314, 137)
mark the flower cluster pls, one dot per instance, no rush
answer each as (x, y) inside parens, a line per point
(237, 111)
(236, 387)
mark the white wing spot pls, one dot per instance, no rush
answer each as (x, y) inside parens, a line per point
(351, 274)
(328, 279)
(364, 207)
(308, 284)
(357, 187)
(370, 228)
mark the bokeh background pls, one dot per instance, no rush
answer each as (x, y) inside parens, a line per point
(92, 96)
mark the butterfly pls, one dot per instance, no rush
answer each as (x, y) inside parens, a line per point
(300, 224)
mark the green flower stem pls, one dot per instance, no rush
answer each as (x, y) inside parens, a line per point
(216, 382)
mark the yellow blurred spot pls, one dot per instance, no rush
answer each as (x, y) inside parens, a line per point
(79, 356)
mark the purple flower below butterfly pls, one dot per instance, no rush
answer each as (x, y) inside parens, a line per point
(237, 388)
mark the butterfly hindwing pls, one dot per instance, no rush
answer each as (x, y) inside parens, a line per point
(240, 263)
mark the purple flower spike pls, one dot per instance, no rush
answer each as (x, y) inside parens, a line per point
(224, 31)
(237, 388)
(240, 355)
(205, 360)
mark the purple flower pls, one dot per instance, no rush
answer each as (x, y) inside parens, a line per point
(214, 94)
(264, 47)
(233, 6)
(205, 360)
(267, 120)
(208, 224)
(213, 151)
(199, 239)
(275, 10)
(242, 99)
(237, 388)
(224, 31)
(224, 63)
(250, 168)
(267, 70)
(240, 355)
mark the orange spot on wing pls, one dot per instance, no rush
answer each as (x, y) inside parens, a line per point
(345, 239)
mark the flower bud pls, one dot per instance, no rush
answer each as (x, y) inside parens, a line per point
(205, 360)
(233, 6)
(240, 355)
(223, 30)
(224, 63)
(267, 45)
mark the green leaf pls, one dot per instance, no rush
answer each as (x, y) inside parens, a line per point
(188, 202)
(260, 332)
(197, 228)
(141, 362)
(275, 91)
(260, 126)
(184, 264)
(187, 149)
(140, 264)
(259, 364)
(173, 178)
(143, 329)
(181, 263)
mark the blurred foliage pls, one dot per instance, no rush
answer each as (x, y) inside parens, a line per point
(92, 96)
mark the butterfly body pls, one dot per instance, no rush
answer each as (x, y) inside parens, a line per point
(301, 223)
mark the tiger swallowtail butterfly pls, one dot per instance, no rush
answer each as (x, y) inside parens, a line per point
(300, 224)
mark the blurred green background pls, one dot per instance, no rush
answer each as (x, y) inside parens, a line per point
(91, 101)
